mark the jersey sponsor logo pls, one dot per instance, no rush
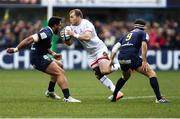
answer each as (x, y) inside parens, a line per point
(127, 44)
(43, 35)
(125, 61)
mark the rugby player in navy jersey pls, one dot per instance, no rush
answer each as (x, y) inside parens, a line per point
(129, 47)
(40, 47)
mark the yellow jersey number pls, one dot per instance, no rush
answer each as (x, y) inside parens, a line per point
(128, 37)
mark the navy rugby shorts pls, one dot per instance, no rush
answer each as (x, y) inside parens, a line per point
(40, 62)
(129, 62)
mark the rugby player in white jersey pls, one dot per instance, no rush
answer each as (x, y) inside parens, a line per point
(98, 59)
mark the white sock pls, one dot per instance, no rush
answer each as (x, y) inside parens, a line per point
(108, 83)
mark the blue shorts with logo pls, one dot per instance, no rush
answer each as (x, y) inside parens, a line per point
(40, 62)
(128, 61)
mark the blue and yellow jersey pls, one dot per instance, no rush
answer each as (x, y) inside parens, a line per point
(131, 42)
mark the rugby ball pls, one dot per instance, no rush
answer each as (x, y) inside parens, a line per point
(64, 32)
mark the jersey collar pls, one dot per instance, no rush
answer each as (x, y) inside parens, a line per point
(50, 29)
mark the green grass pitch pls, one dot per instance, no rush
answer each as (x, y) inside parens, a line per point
(22, 95)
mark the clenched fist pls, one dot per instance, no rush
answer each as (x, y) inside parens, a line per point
(11, 50)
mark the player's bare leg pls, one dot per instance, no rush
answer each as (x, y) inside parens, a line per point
(104, 79)
(56, 71)
(107, 67)
(58, 63)
(104, 64)
(120, 83)
(50, 92)
(151, 74)
(100, 69)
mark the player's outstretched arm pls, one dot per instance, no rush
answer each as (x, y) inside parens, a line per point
(26, 42)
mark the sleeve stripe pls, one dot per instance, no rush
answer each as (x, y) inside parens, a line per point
(35, 37)
(88, 30)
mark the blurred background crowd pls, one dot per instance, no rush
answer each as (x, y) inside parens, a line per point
(11, 33)
(162, 35)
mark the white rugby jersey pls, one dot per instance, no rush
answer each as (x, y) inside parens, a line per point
(95, 44)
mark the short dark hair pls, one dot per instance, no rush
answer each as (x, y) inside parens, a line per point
(77, 12)
(140, 23)
(55, 20)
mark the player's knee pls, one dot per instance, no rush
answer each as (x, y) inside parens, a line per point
(105, 68)
(59, 72)
(59, 64)
(98, 73)
(105, 71)
(152, 73)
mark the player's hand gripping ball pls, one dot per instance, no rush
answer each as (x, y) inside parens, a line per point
(64, 33)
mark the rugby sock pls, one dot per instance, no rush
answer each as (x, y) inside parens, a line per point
(120, 83)
(108, 83)
(66, 92)
(51, 86)
(155, 86)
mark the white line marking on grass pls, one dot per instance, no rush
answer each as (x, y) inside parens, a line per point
(137, 97)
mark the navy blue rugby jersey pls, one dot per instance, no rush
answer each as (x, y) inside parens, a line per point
(131, 42)
(41, 47)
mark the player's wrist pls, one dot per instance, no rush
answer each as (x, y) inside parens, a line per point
(53, 54)
(144, 61)
(76, 35)
(16, 49)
